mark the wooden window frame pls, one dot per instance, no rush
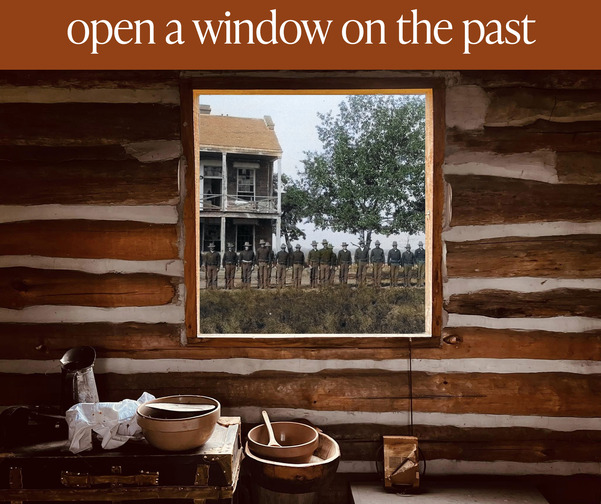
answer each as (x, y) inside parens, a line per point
(433, 88)
(252, 195)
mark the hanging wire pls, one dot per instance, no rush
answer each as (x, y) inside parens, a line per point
(410, 383)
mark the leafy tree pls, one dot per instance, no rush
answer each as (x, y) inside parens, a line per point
(370, 175)
(294, 209)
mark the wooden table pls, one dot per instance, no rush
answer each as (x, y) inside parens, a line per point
(136, 471)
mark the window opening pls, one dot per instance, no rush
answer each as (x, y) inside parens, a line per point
(246, 184)
(247, 225)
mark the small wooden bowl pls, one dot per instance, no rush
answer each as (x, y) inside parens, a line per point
(298, 442)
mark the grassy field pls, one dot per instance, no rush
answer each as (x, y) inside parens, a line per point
(332, 310)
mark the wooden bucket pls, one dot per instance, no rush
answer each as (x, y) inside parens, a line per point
(284, 483)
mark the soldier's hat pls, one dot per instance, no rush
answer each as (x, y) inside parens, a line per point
(261, 241)
(344, 244)
(394, 244)
(313, 242)
(330, 246)
(230, 245)
(407, 246)
(267, 244)
(420, 243)
(283, 245)
(377, 242)
(297, 246)
(246, 244)
(211, 245)
(324, 242)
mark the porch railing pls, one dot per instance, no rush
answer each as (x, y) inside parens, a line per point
(258, 204)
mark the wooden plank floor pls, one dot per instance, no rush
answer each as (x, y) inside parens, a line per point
(453, 491)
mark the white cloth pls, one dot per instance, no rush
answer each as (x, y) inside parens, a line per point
(114, 422)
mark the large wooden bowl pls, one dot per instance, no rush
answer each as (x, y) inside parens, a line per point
(296, 478)
(177, 434)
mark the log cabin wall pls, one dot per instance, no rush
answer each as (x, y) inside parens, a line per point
(91, 244)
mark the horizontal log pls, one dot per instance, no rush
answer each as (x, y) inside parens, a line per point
(550, 394)
(559, 137)
(540, 394)
(555, 79)
(521, 106)
(162, 341)
(85, 123)
(88, 182)
(363, 442)
(21, 287)
(578, 167)
(573, 256)
(48, 94)
(51, 341)
(508, 304)
(85, 79)
(62, 153)
(494, 200)
(479, 342)
(134, 241)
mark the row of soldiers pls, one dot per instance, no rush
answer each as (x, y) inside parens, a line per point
(322, 264)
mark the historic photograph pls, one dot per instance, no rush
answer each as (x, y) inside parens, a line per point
(311, 213)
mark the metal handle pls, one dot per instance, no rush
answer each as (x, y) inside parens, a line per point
(84, 480)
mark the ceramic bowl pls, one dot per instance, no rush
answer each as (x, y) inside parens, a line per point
(298, 442)
(186, 431)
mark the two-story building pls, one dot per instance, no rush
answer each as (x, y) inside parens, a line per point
(240, 180)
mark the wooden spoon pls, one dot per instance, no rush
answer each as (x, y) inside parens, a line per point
(272, 439)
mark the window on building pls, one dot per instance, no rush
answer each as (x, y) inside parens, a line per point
(246, 184)
(211, 184)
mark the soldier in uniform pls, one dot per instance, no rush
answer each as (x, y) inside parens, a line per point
(394, 261)
(376, 257)
(313, 259)
(263, 258)
(212, 261)
(282, 259)
(270, 264)
(247, 262)
(325, 257)
(298, 263)
(362, 261)
(420, 260)
(407, 260)
(230, 262)
(345, 259)
(333, 264)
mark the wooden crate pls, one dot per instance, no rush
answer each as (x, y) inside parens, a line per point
(401, 462)
(136, 471)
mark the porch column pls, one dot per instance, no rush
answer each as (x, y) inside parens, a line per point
(222, 235)
(224, 181)
(278, 220)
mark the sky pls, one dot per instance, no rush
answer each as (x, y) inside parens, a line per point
(295, 118)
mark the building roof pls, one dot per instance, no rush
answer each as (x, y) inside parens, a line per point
(238, 134)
